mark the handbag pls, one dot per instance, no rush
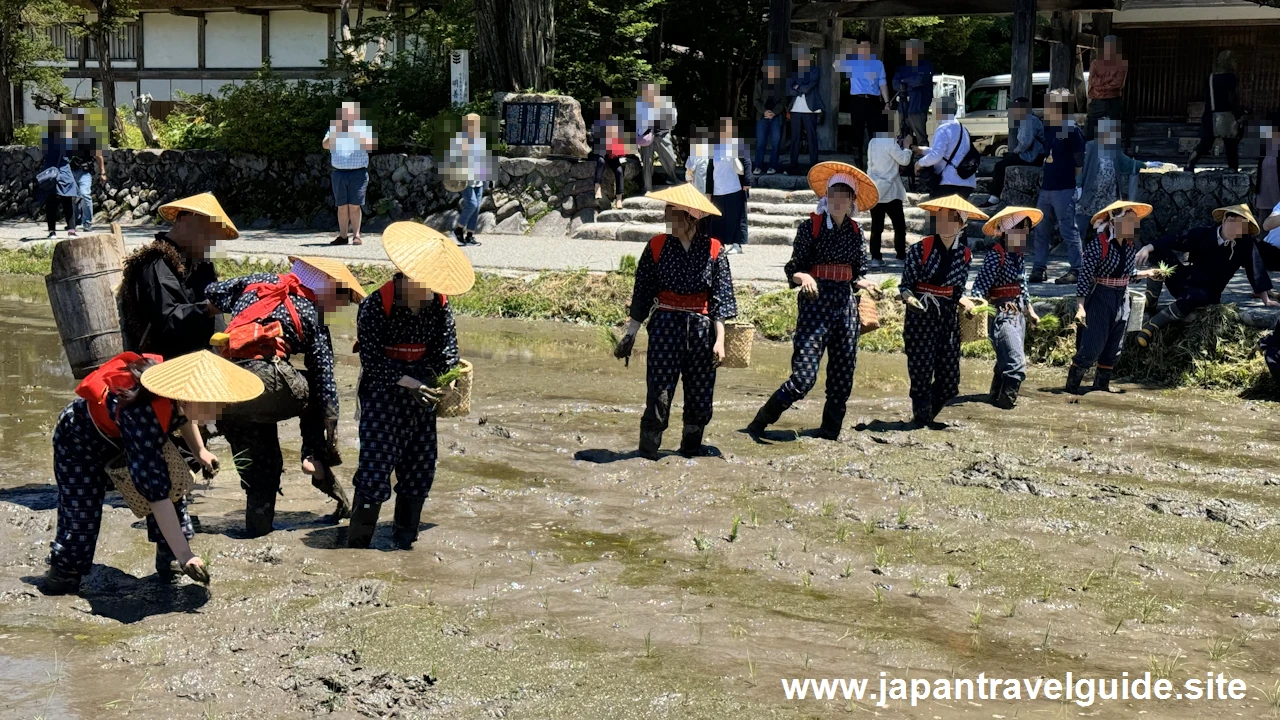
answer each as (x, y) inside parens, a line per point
(46, 179)
(1225, 124)
(966, 169)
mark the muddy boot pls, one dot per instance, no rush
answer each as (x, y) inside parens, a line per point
(329, 485)
(650, 444)
(691, 441)
(832, 421)
(259, 514)
(997, 382)
(1153, 290)
(167, 570)
(1102, 381)
(766, 416)
(1075, 376)
(364, 520)
(1157, 321)
(404, 533)
(60, 582)
(1007, 396)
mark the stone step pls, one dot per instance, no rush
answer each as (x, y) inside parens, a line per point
(642, 232)
(916, 218)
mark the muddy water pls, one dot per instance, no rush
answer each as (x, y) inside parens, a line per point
(559, 576)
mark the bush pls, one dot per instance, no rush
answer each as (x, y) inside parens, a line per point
(28, 135)
(265, 116)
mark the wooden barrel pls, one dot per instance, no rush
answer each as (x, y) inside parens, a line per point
(82, 290)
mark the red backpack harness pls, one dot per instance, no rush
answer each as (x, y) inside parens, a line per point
(114, 376)
(406, 352)
(945, 291)
(838, 272)
(251, 338)
(1008, 291)
(668, 300)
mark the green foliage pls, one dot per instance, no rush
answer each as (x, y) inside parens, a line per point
(186, 127)
(28, 135)
(269, 116)
(603, 47)
(27, 49)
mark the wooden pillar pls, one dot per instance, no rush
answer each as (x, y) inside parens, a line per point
(1061, 50)
(875, 33)
(139, 44)
(266, 37)
(1024, 32)
(825, 57)
(779, 26)
(200, 46)
(1101, 26)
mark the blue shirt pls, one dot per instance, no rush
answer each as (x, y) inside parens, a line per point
(1066, 153)
(917, 82)
(865, 76)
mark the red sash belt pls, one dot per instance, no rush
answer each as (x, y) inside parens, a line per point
(408, 352)
(1121, 282)
(836, 272)
(1005, 292)
(942, 291)
(694, 303)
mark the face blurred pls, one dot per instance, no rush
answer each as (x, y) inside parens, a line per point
(196, 234)
(802, 60)
(1109, 49)
(772, 71)
(201, 413)
(1233, 227)
(416, 294)
(680, 221)
(726, 129)
(864, 49)
(473, 126)
(330, 297)
(1126, 226)
(839, 203)
(648, 92)
(949, 223)
(1016, 239)
(1053, 113)
(606, 108)
(913, 54)
(1019, 113)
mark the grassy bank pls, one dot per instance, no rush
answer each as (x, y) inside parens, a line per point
(1215, 350)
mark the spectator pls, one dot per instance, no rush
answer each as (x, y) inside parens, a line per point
(349, 141)
(806, 107)
(1108, 175)
(950, 143)
(1222, 113)
(655, 117)
(869, 94)
(469, 151)
(55, 184)
(1106, 84)
(771, 103)
(1027, 147)
(729, 185)
(86, 146)
(1267, 183)
(1266, 252)
(1062, 163)
(700, 147)
(608, 150)
(885, 158)
(914, 80)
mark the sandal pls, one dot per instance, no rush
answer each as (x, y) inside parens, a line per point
(357, 241)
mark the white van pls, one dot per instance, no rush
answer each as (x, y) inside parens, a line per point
(986, 115)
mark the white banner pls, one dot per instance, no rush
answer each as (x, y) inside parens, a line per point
(459, 69)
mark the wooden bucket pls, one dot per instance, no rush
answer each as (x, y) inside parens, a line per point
(738, 337)
(457, 402)
(82, 291)
(179, 477)
(868, 313)
(972, 327)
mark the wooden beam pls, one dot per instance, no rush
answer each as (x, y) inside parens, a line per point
(316, 9)
(200, 46)
(779, 26)
(1062, 54)
(913, 8)
(185, 12)
(332, 24)
(804, 37)
(1024, 26)
(252, 11)
(131, 74)
(140, 41)
(1054, 34)
(266, 38)
(1101, 26)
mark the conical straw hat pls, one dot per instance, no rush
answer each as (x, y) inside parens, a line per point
(203, 204)
(337, 270)
(202, 376)
(1240, 210)
(864, 188)
(1140, 209)
(993, 225)
(428, 258)
(955, 202)
(686, 196)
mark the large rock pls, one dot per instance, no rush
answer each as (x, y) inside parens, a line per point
(569, 137)
(1021, 186)
(514, 225)
(553, 224)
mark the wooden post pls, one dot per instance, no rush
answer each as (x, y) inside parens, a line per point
(1061, 50)
(139, 43)
(825, 57)
(200, 46)
(779, 26)
(875, 33)
(1101, 27)
(1024, 32)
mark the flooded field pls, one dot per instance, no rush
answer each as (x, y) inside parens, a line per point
(558, 576)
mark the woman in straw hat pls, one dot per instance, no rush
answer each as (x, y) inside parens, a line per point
(406, 341)
(1215, 254)
(129, 406)
(272, 318)
(828, 264)
(933, 280)
(1102, 292)
(684, 288)
(1002, 281)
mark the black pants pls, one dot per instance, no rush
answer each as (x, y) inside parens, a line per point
(731, 227)
(51, 205)
(809, 121)
(615, 164)
(894, 210)
(1009, 160)
(1232, 146)
(864, 112)
(1266, 258)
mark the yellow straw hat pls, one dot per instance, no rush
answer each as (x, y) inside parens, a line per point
(954, 202)
(202, 376)
(1140, 209)
(825, 174)
(337, 270)
(687, 197)
(428, 258)
(1241, 211)
(993, 225)
(203, 204)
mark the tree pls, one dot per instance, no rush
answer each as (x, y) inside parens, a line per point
(603, 47)
(516, 41)
(112, 17)
(24, 47)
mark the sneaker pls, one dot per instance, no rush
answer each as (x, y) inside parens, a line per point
(734, 249)
(786, 172)
(773, 171)
(470, 240)
(1038, 275)
(53, 234)
(457, 235)
(875, 264)
(1067, 279)
(756, 171)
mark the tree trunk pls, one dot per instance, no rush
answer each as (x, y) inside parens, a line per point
(142, 116)
(517, 42)
(780, 27)
(109, 86)
(6, 92)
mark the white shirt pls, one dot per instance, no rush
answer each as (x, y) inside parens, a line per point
(661, 114)
(344, 151)
(801, 105)
(884, 158)
(1273, 237)
(725, 169)
(948, 135)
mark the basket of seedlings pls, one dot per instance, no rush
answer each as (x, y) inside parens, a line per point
(179, 479)
(738, 337)
(456, 401)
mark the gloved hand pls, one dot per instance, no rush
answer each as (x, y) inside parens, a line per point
(428, 396)
(625, 346)
(914, 305)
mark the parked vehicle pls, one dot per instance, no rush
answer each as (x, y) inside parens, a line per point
(986, 106)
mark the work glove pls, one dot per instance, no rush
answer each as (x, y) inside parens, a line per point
(625, 346)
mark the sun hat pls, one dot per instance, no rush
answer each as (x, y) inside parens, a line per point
(1140, 209)
(335, 270)
(967, 210)
(825, 174)
(201, 376)
(1008, 218)
(203, 204)
(428, 258)
(1241, 210)
(686, 197)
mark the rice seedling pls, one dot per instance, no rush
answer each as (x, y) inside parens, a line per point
(806, 579)
(975, 617)
(1163, 270)
(1147, 612)
(609, 339)
(917, 586)
(882, 556)
(733, 531)
(453, 374)
(1164, 668)
(848, 569)
(773, 550)
(751, 669)
(890, 284)
(877, 596)
(1011, 609)
(649, 647)
(1115, 565)
(1273, 696)
(912, 541)
(804, 543)
(1116, 629)
(1220, 648)
(1088, 581)
(842, 532)
(1044, 643)
(868, 527)
(806, 660)
(903, 514)
(1046, 591)
(755, 517)
(701, 542)
(953, 579)
(828, 507)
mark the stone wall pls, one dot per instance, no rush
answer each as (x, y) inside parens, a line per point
(531, 195)
(1181, 200)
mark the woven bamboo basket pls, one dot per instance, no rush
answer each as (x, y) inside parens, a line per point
(972, 327)
(179, 479)
(868, 313)
(457, 402)
(738, 337)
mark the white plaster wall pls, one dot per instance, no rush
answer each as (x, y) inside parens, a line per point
(170, 41)
(214, 87)
(232, 40)
(372, 48)
(190, 87)
(157, 89)
(298, 38)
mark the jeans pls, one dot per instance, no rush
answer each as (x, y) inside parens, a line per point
(1058, 206)
(893, 209)
(768, 133)
(469, 215)
(809, 121)
(84, 203)
(667, 153)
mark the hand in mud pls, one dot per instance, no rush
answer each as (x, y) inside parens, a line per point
(914, 305)
(1080, 317)
(428, 396)
(625, 346)
(208, 464)
(196, 570)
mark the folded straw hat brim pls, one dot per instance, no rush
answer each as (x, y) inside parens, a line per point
(865, 192)
(992, 227)
(957, 203)
(203, 204)
(686, 196)
(1140, 209)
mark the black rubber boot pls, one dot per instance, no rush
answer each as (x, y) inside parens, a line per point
(650, 444)
(259, 514)
(832, 421)
(60, 582)
(364, 520)
(1007, 397)
(404, 533)
(1153, 290)
(997, 383)
(1075, 376)
(1168, 315)
(767, 415)
(1102, 381)
(167, 569)
(691, 441)
(329, 485)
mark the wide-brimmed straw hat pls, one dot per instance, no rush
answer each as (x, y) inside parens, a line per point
(825, 174)
(993, 226)
(1240, 211)
(957, 203)
(428, 258)
(1140, 209)
(337, 271)
(688, 198)
(202, 376)
(203, 204)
